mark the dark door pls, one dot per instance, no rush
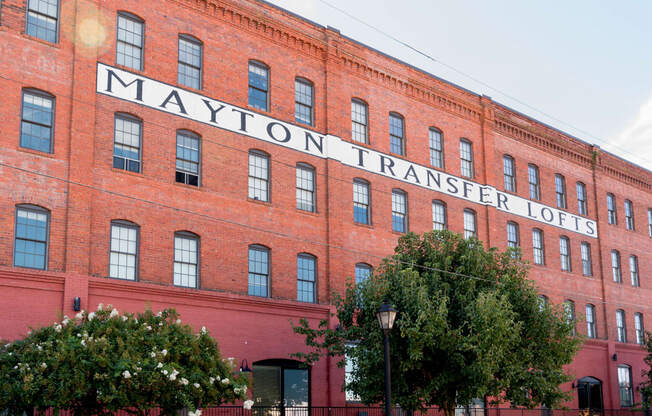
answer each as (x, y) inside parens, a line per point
(589, 394)
(281, 388)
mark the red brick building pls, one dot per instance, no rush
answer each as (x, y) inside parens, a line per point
(239, 163)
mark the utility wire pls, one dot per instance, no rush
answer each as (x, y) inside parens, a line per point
(479, 81)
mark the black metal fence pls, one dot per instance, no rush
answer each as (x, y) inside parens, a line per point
(380, 411)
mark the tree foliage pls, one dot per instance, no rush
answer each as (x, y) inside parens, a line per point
(469, 325)
(103, 361)
(646, 388)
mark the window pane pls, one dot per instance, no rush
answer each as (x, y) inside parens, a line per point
(611, 209)
(126, 148)
(362, 273)
(469, 224)
(537, 246)
(188, 156)
(590, 321)
(306, 278)
(258, 177)
(581, 199)
(30, 246)
(560, 190)
(129, 46)
(533, 179)
(564, 253)
(625, 386)
(305, 188)
(258, 86)
(124, 247)
(633, 270)
(438, 215)
(42, 19)
(399, 212)
(587, 268)
(359, 121)
(396, 135)
(360, 202)
(185, 261)
(190, 61)
(615, 266)
(37, 120)
(258, 271)
(466, 159)
(509, 174)
(303, 102)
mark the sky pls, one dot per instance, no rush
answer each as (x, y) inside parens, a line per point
(581, 66)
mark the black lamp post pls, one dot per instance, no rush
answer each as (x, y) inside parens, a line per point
(386, 315)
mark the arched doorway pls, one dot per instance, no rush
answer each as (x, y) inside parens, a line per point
(283, 385)
(589, 393)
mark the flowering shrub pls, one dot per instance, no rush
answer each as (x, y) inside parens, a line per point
(103, 361)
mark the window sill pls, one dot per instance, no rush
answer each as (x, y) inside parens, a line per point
(36, 152)
(359, 224)
(130, 69)
(310, 213)
(258, 201)
(185, 185)
(399, 232)
(55, 45)
(127, 172)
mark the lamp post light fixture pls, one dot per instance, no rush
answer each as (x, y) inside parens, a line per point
(386, 315)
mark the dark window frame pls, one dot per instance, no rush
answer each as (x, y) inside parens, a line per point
(48, 217)
(625, 392)
(434, 150)
(569, 310)
(58, 22)
(541, 249)
(616, 267)
(591, 327)
(621, 325)
(364, 105)
(362, 266)
(629, 215)
(612, 212)
(185, 173)
(634, 274)
(42, 94)
(470, 162)
(534, 187)
(474, 232)
(313, 192)
(509, 179)
(565, 258)
(197, 42)
(442, 204)
(582, 199)
(561, 194)
(639, 328)
(132, 225)
(587, 263)
(134, 18)
(268, 277)
(313, 258)
(308, 83)
(365, 183)
(402, 139)
(189, 236)
(405, 222)
(130, 118)
(268, 180)
(266, 91)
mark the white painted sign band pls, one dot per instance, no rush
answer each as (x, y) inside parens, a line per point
(141, 90)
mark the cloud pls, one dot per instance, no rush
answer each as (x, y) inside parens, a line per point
(636, 138)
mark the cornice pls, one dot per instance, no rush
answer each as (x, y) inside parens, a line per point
(33, 276)
(624, 171)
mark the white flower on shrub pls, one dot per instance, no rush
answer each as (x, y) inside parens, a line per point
(195, 413)
(184, 381)
(178, 321)
(114, 313)
(211, 379)
(164, 352)
(83, 343)
(126, 374)
(147, 327)
(91, 316)
(125, 317)
(79, 315)
(159, 365)
(203, 330)
(247, 404)
(173, 377)
(100, 306)
(152, 354)
(43, 365)
(57, 328)
(164, 372)
(225, 381)
(196, 385)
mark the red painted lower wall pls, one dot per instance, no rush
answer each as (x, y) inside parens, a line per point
(246, 328)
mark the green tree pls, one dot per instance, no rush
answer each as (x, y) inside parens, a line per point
(103, 361)
(646, 390)
(469, 325)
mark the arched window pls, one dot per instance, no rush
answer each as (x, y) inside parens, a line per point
(127, 139)
(303, 101)
(439, 215)
(629, 214)
(43, 20)
(625, 385)
(190, 61)
(259, 175)
(538, 246)
(590, 321)
(436, 148)
(513, 237)
(615, 266)
(509, 173)
(37, 121)
(123, 257)
(569, 311)
(258, 85)
(564, 253)
(31, 236)
(621, 325)
(587, 266)
(534, 181)
(582, 206)
(470, 223)
(258, 270)
(560, 190)
(362, 272)
(359, 121)
(612, 216)
(361, 201)
(305, 187)
(186, 259)
(466, 159)
(129, 45)
(306, 278)
(396, 134)
(188, 157)
(399, 211)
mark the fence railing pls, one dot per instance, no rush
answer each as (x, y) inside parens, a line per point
(380, 411)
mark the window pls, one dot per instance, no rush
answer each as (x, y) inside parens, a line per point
(361, 201)
(362, 272)
(359, 121)
(564, 253)
(349, 367)
(582, 207)
(306, 277)
(629, 215)
(587, 267)
(509, 173)
(633, 270)
(396, 134)
(399, 211)
(569, 311)
(126, 143)
(186, 259)
(621, 325)
(533, 180)
(303, 99)
(190, 62)
(123, 259)
(649, 221)
(37, 121)
(305, 187)
(436, 148)
(43, 19)
(258, 176)
(590, 321)
(129, 47)
(188, 157)
(438, 215)
(625, 386)
(615, 266)
(537, 246)
(258, 271)
(513, 239)
(470, 229)
(640, 329)
(543, 301)
(560, 190)
(466, 158)
(258, 85)
(612, 216)
(31, 237)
